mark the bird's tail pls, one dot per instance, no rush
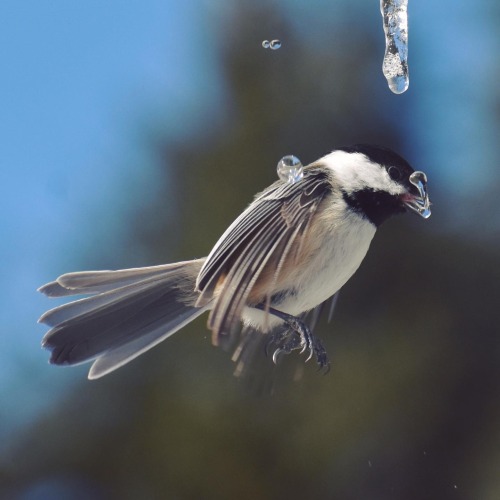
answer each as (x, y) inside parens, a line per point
(128, 312)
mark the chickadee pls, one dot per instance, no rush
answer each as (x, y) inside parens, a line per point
(291, 250)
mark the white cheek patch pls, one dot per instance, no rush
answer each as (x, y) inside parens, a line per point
(356, 172)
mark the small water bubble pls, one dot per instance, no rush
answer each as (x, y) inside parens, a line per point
(275, 44)
(290, 169)
(266, 44)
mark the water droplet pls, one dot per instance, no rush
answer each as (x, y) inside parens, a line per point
(275, 44)
(290, 169)
(266, 44)
(420, 204)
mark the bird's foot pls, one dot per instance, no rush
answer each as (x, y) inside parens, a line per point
(299, 337)
(296, 336)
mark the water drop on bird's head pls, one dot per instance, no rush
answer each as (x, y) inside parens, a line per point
(275, 44)
(266, 44)
(290, 169)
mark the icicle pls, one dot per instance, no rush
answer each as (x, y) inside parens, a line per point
(395, 65)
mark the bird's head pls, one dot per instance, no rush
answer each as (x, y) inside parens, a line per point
(377, 183)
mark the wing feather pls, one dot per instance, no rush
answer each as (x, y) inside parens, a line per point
(242, 278)
(265, 236)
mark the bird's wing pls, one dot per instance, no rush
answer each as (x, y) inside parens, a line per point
(266, 235)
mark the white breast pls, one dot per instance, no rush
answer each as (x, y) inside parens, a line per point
(340, 248)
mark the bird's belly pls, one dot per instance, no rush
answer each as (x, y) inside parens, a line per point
(336, 257)
(329, 269)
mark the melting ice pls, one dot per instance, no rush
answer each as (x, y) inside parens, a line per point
(395, 65)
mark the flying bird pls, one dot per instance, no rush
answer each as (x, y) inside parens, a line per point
(289, 252)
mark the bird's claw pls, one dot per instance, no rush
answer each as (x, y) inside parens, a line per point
(298, 336)
(310, 355)
(276, 353)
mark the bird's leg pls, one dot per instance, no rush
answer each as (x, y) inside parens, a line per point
(296, 336)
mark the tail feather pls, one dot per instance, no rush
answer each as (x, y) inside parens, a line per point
(117, 357)
(91, 282)
(90, 305)
(87, 336)
(134, 310)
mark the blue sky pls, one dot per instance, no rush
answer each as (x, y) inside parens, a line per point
(79, 80)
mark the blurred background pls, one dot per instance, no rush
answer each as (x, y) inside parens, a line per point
(134, 132)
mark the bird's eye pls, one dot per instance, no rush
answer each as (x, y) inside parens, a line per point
(394, 173)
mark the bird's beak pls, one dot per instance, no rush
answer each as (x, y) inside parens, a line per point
(419, 204)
